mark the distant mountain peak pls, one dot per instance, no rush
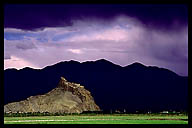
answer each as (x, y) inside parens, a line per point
(136, 64)
(70, 61)
(104, 61)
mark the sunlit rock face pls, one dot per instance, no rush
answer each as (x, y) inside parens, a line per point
(67, 97)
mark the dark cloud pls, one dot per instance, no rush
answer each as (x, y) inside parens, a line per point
(169, 53)
(171, 47)
(39, 16)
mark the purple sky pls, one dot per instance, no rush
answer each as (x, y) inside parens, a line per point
(41, 35)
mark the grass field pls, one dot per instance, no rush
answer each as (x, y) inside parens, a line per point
(101, 119)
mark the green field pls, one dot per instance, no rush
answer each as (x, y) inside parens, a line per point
(101, 119)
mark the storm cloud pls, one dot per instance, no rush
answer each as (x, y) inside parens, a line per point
(25, 16)
(122, 34)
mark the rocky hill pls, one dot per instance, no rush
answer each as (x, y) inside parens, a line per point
(67, 97)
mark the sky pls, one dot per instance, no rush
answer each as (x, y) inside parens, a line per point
(40, 35)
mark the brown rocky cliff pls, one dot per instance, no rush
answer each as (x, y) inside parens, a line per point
(67, 97)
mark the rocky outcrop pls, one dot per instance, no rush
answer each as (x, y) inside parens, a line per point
(67, 97)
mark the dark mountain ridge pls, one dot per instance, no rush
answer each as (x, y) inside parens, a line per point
(133, 87)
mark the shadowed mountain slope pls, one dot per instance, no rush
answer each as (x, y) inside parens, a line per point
(133, 87)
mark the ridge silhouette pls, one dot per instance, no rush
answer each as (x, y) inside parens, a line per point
(133, 87)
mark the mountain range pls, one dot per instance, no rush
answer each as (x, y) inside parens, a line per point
(135, 87)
